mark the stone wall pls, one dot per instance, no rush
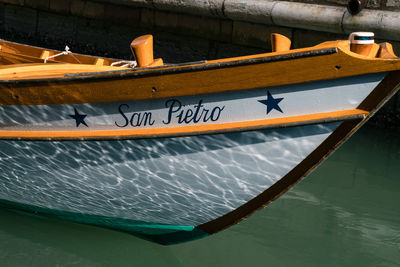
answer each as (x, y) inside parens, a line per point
(106, 28)
(110, 23)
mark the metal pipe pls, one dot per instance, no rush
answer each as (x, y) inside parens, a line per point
(335, 19)
(306, 16)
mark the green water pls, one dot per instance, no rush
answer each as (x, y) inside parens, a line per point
(346, 213)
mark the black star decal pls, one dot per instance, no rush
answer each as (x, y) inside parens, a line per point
(272, 103)
(79, 118)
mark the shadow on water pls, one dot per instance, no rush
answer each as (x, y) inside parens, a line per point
(344, 214)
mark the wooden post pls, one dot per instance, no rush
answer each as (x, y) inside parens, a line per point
(280, 42)
(142, 49)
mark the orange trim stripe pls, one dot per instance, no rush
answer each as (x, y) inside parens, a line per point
(184, 130)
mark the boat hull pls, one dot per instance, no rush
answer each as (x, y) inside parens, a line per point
(202, 113)
(159, 184)
(178, 153)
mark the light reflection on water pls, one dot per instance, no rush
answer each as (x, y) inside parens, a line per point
(344, 214)
(182, 180)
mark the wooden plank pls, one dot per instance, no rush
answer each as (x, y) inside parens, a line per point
(33, 51)
(48, 70)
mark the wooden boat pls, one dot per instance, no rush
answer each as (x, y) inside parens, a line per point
(172, 153)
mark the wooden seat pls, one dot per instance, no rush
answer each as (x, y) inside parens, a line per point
(45, 54)
(99, 62)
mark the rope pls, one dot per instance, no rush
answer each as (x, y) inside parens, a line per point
(126, 64)
(66, 52)
(130, 64)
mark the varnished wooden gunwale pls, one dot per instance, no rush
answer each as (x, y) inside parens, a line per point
(20, 71)
(183, 130)
(389, 86)
(159, 83)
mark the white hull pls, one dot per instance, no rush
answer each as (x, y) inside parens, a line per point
(180, 181)
(229, 107)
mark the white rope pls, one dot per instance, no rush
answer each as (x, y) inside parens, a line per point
(66, 52)
(126, 63)
(130, 64)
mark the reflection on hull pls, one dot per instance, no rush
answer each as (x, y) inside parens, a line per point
(152, 186)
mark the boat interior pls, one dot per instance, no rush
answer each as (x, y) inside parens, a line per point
(19, 61)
